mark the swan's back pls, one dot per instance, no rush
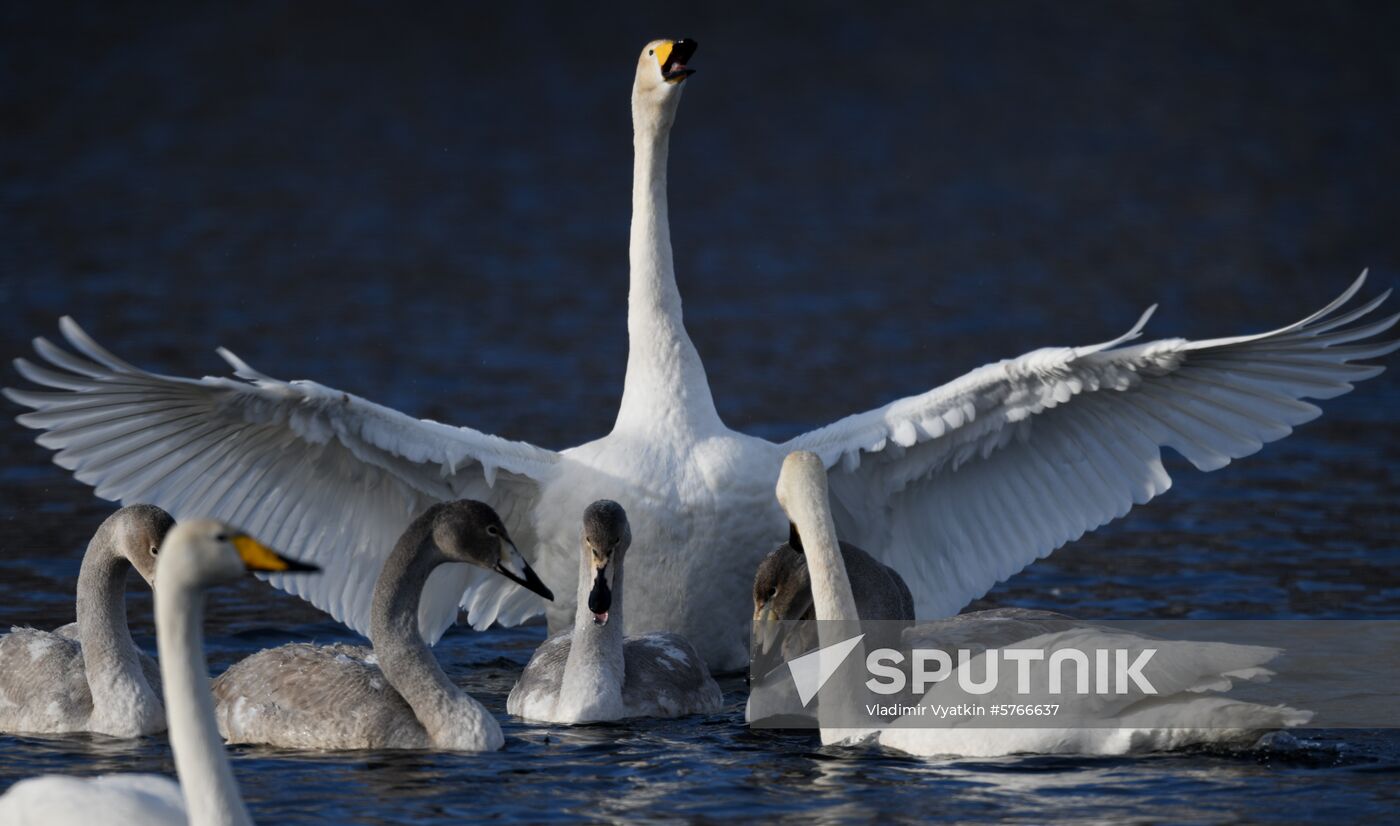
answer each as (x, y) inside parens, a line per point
(314, 697)
(43, 685)
(880, 592)
(664, 676)
(536, 691)
(667, 677)
(57, 800)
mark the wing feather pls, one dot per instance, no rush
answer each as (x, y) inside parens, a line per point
(963, 486)
(322, 474)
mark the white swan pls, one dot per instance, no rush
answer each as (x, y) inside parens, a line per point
(591, 673)
(957, 488)
(196, 556)
(1185, 712)
(394, 696)
(89, 675)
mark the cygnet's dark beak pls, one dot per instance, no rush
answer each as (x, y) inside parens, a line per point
(526, 576)
(600, 598)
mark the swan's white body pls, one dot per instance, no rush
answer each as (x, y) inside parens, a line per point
(689, 498)
(1184, 712)
(192, 560)
(958, 488)
(89, 675)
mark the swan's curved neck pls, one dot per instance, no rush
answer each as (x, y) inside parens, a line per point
(834, 604)
(810, 511)
(123, 702)
(405, 660)
(595, 671)
(206, 779)
(665, 381)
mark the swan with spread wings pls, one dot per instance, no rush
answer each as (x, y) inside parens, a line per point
(960, 487)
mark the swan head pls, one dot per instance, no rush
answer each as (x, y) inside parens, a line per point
(137, 532)
(472, 532)
(801, 487)
(782, 588)
(606, 538)
(661, 71)
(205, 552)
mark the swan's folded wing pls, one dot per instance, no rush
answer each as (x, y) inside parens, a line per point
(963, 486)
(318, 473)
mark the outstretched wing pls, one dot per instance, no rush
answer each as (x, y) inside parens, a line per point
(963, 486)
(321, 474)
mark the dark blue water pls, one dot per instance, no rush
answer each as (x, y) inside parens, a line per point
(429, 209)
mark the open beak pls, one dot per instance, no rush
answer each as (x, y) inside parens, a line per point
(258, 557)
(674, 59)
(514, 568)
(600, 598)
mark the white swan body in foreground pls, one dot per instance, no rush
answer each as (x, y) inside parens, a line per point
(197, 555)
(394, 696)
(89, 675)
(591, 673)
(1184, 712)
(957, 488)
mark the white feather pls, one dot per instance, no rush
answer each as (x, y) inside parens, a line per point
(984, 505)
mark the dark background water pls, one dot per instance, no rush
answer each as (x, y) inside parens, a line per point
(428, 207)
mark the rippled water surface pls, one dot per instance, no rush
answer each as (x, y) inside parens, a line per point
(430, 209)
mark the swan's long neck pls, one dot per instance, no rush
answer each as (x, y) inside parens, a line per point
(445, 711)
(666, 383)
(834, 604)
(832, 598)
(123, 702)
(595, 671)
(206, 779)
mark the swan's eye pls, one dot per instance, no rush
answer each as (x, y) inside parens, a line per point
(223, 537)
(154, 550)
(491, 529)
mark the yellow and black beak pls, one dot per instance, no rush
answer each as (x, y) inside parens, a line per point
(258, 557)
(673, 55)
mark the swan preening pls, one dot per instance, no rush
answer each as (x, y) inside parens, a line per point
(956, 489)
(591, 673)
(394, 696)
(196, 556)
(89, 675)
(1186, 710)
